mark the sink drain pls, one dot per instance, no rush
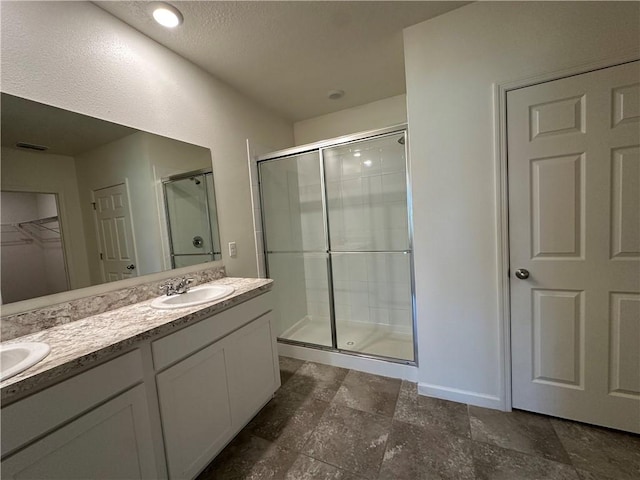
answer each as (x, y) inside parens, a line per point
(351, 343)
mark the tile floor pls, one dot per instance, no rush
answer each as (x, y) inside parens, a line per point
(332, 423)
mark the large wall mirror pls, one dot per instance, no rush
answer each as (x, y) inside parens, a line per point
(85, 202)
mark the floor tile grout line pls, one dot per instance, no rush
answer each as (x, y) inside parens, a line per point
(387, 417)
(386, 446)
(564, 447)
(436, 429)
(588, 468)
(329, 403)
(528, 454)
(475, 460)
(469, 421)
(357, 410)
(342, 469)
(391, 418)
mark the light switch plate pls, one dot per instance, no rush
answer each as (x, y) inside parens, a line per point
(233, 251)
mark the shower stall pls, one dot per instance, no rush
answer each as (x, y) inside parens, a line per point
(192, 223)
(337, 240)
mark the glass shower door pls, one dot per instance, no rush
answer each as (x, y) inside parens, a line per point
(366, 185)
(295, 247)
(188, 206)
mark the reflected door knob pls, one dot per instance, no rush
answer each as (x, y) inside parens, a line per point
(522, 273)
(131, 267)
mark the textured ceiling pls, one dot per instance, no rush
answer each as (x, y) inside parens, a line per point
(288, 55)
(64, 132)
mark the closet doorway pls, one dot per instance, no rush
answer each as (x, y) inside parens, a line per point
(574, 226)
(32, 248)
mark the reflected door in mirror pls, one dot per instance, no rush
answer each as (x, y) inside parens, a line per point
(115, 233)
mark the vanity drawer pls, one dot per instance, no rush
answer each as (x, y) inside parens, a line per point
(183, 343)
(40, 413)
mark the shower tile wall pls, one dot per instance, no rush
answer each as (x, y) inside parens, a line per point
(373, 288)
(366, 194)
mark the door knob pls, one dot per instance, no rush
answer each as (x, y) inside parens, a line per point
(131, 267)
(522, 273)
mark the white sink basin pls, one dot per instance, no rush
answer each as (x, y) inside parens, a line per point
(195, 296)
(17, 357)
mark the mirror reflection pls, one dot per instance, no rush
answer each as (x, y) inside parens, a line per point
(85, 201)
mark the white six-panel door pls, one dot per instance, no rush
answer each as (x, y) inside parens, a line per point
(115, 233)
(574, 225)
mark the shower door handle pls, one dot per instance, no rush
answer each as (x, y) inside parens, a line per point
(131, 267)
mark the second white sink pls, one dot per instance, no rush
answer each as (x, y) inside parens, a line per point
(195, 296)
(17, 357)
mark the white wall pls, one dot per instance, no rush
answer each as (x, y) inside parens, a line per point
(89, 62)
(383, 113)
(45, 173)
(452, 62)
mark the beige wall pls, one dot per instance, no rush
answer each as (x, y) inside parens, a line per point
(89, 62)
(122, 161)
(383, 113)
(452, 63)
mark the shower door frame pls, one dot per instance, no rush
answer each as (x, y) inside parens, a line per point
(320, 147)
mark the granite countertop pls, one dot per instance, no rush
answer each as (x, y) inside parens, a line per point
(77, 345)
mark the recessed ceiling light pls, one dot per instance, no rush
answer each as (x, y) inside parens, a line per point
(167, 15)
(335, 94)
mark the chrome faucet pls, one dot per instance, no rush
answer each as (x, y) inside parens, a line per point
(182, 286)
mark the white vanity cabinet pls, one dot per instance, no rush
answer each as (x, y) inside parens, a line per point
(165, 408)
(195, 411)
(71, 432)
(227, 371)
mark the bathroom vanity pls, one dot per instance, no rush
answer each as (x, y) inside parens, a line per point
(159, 399)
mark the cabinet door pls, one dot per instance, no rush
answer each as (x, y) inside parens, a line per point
(253, 374)
(112, 441)
(194, 406)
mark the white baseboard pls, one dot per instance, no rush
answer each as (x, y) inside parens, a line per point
(461, 396)
(368, 365)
